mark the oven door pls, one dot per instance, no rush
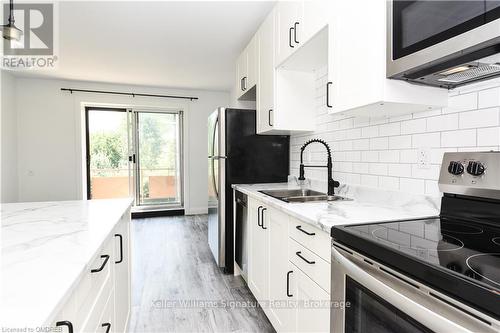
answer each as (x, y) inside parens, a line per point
(376, 301)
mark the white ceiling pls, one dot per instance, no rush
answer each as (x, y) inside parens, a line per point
(168, 44)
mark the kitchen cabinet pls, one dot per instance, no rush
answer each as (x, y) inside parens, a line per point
(122, 304)
(258, 261)
(313, 312)
(265, 83)
(278, 270)
(297, 288)
(102, 296)
(247, 71)
(288, 28)
(357, 66)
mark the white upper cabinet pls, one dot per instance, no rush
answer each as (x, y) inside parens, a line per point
(265, 83)
(288, 28)
(357, 66)
(246, 69)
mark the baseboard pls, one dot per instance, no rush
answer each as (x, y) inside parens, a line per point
(157, 213)
(196, 211)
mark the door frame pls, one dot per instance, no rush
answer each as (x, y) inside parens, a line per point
(135, 127)
(87, 139)
(135, 143)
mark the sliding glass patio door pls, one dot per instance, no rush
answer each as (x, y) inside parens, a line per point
(135, 153)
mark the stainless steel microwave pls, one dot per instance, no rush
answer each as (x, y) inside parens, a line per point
(443, 43)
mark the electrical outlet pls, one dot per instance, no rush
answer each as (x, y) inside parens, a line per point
(423, 157)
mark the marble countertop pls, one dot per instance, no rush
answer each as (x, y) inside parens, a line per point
(46, 247)
(369, 205)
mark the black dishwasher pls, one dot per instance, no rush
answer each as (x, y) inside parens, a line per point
(241, 232)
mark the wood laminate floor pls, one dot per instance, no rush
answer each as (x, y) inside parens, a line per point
(177, 287)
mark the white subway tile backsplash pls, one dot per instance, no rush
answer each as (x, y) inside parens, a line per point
(479, 118)
(400, 142)
(489, 97)
(427, 140)
(382, 152)
(413, 126)
(460, 103)
(461, 138)
(442, 123)
(379, 143)
(390, 129)
(488, 136)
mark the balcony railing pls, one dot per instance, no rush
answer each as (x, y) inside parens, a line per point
(158, 185)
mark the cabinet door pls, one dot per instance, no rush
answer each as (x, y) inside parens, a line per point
(259, 251)
(279, 289)
(122, 274)
(252, 64)
(265, 86)
(315, 16)
(242, 72)
(313, 311)
(287, 29)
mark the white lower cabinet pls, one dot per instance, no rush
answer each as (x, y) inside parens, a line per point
(101, 300)
(294, 293)
(312, 313)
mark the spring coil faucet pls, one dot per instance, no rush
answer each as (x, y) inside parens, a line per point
(331, 183)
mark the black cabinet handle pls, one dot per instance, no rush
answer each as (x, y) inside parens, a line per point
(290, 38)
(295, 32)
(108, 327)
(121, 248)
(288, 284)
(301, 257)
(97, 270)
(258, 216)
(244, 83)
(299, 227)
(328, 94)
(66, 323)
(262, 213)
(241, 84)
(269, 117)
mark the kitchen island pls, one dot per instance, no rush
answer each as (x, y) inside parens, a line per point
(63, 263)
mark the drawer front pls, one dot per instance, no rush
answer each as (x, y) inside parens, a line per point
(310, 263)
(93, 282)
(311, 237)
(92, 323)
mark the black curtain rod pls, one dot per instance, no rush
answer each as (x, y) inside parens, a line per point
(128, 94)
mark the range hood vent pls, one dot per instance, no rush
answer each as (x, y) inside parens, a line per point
(470, 72)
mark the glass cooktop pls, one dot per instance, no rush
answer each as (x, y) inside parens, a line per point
(464, 253)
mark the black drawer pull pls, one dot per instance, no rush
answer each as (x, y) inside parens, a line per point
(299, 227)
(108, 327)
(295, 32)
(66, 323)
(262, 213)
(121, 248)
(97, 270)
(328, 94)
(288, 284)
(301, 257)
(290, 38)
(258, 216)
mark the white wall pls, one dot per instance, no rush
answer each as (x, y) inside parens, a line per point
(8, 139)
(50, 136)
(383, 152)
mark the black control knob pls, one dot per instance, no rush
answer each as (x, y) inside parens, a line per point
(475, 168)
(455, 168)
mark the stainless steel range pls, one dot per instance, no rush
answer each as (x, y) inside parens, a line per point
(427, 275)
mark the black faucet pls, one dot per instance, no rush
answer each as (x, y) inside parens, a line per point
(331, 183)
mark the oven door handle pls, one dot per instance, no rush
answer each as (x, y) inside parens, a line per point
(420, 313)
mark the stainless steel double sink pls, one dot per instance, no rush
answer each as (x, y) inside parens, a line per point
(302, 195)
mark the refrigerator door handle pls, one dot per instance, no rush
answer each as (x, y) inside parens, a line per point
(213, 158)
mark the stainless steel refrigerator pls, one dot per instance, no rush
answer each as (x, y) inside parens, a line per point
(237, 155)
